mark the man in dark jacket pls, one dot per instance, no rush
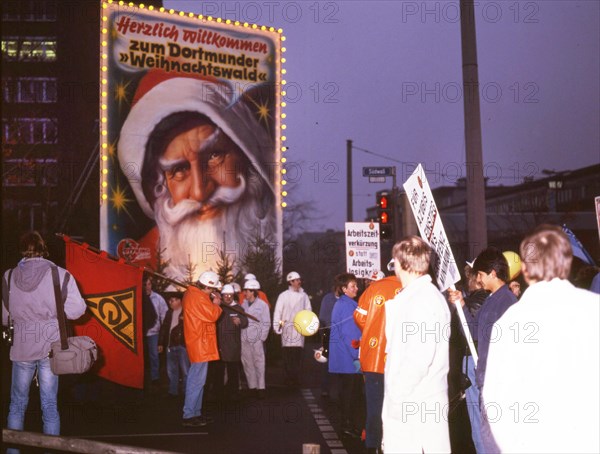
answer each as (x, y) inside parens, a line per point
(491, 269)
(171, 339)
(229, 328)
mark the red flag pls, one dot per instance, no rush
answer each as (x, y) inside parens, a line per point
(113, 293)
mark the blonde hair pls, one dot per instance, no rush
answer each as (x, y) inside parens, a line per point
(413, 254)
(546, 253)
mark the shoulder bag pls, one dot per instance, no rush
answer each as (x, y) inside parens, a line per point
(70, 355)
(8, 331)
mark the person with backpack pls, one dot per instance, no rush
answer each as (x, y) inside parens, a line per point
(29, 303)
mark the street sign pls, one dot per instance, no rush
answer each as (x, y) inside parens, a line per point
(379, 171)
(376, 179)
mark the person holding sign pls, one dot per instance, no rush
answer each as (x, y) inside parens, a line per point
(491, 269)
(416, 369)
(474, 297)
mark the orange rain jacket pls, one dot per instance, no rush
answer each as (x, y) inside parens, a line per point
(370, 318)
(199, 317)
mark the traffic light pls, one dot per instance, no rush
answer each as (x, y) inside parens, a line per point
(385, 215)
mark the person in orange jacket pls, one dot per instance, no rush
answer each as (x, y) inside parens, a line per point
(369, 316)
(199, 316)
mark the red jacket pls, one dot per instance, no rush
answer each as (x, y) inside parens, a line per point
(199, 317)
(370, 318)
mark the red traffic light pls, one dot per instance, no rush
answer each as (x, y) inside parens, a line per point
(384, 218)
(383, 202)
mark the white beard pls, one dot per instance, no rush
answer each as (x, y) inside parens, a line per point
(184, 239)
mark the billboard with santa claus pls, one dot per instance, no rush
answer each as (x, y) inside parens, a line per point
(190, 138)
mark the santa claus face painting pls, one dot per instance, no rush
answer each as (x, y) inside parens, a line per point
(196, 167)
(201, 185)
(198, 161)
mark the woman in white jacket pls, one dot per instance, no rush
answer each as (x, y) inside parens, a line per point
(416, 370)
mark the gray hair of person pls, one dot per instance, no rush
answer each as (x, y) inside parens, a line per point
(413, 254)
(546, 253)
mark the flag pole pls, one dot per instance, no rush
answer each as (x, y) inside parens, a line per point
(150, 271)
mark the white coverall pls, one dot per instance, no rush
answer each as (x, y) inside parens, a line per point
(287, 306)
(253, 337)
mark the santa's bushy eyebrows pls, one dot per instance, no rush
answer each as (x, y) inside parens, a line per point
(167, 165)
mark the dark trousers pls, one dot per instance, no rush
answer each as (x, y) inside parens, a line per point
(233, 378)
(352, 401)
(325, 379)
(374, 397)
(292, 363)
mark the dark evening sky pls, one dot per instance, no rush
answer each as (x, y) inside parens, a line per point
(388, 75)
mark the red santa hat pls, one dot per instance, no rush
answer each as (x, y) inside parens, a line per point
(160, 94)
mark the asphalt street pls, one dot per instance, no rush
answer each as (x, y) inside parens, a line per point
(280, 423)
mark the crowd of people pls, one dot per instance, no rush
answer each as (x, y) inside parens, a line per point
(530, 378)
(394, 347)
(214, 337)
(210, 335)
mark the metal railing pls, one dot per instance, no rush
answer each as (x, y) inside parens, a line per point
(70, 444)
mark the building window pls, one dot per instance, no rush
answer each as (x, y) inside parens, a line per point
(565, 196)
(29, 48)
(29, 131)
(30, 172)
(29, 90)
(29, 10)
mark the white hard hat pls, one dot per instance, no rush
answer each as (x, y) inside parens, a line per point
(376, 275)
(252, 284)
(236, 287)
(227, 289)
(249, 276)
(291, 276)
(209, 279)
